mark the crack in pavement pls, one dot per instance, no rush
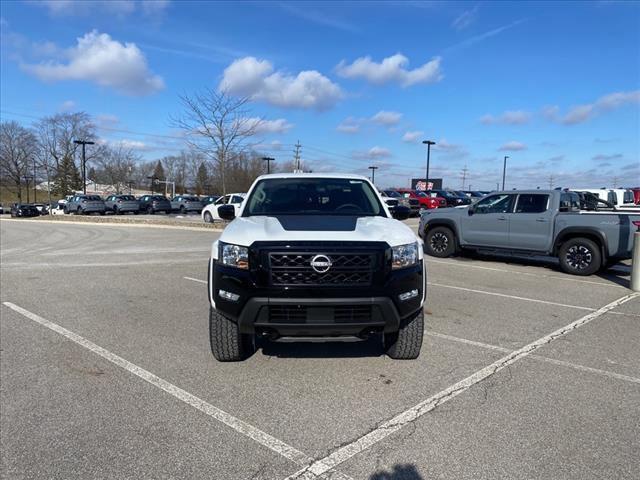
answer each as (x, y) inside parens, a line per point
(348, 450)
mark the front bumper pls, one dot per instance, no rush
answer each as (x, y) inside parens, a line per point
(316, 311)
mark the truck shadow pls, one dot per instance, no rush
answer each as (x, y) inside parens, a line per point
(398, 472)
(303, 348)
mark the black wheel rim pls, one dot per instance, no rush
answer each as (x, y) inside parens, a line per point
(439, 242)
(579, 257)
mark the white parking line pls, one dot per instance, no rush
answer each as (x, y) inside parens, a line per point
(514, 297)
(255, 434)
(565, 278)
(575, 366)
(195, 280)
(346, 452)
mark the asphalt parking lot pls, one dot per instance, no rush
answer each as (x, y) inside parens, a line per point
(106, 372)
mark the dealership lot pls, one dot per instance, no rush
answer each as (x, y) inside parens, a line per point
(106, 372)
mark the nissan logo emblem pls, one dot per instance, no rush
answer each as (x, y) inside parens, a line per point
(321, 263)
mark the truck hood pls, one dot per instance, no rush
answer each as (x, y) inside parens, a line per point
(289, 228)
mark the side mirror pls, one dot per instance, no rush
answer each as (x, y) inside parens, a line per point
(227, 212)
(401, 212)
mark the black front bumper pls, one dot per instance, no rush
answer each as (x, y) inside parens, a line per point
(316, 310)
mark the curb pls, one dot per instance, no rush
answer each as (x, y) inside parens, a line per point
(120, 224)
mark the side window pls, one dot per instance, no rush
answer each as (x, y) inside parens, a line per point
(628, 196)
(236, 199)
(495, 204)
(532, 203)
(219, 201)
(612, 198)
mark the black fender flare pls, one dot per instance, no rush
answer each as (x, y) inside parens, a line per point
(592, 233)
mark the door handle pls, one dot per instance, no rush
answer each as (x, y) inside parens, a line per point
(502, 218)
(543, 220)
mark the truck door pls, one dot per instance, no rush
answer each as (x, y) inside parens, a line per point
(487, 222)
(531, 223)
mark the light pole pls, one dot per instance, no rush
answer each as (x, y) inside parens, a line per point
(268, 160)
(27, 179)
(373, 169)
(504, 170)
(84, 162)
(34, 181)
(428, 143)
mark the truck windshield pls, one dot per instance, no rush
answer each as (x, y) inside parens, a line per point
(313, 196)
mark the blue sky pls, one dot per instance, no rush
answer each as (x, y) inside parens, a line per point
(556, 86)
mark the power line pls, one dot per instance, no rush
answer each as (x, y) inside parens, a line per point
(464, 175)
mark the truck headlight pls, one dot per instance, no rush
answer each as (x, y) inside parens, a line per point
(234, 255)
(404, 255)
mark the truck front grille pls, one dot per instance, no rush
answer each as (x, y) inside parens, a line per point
(346, 269)
(306, 314)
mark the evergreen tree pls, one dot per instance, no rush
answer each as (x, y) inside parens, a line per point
(158, 174)
(202, 179)
(67, 178)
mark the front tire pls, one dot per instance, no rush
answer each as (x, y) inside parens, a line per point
(227, 343)
(149, 210)
(405, 344)
(440, 242)
(580, 256)
(208, 218)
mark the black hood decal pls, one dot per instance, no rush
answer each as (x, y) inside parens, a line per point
(317, 223)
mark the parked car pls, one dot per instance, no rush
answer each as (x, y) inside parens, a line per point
(24, 210)
(402, 200)
(186, 203)
(451, 199)
(118, 204)
(58, 209)
(425, 201)
(1, 209)
(412, 201)
(533, 222)
(41, 207)
(466, 200)
(396, 205)
(315, 255)
(206, 200)
(151, 204)
(85, 204)
(210, 212)
(473, 194)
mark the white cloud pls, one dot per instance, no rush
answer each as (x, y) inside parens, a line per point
(601, 157)
(465, 19)
(349, 125)
(513, 146)
(105, 120)
(583, 113)
(270, 126)
(412, 137)
(133, 144)
(391, 69)
(106, 62)
(256, 78)
(67, 106)
(510, 117)
(374, 153)
(386, 118)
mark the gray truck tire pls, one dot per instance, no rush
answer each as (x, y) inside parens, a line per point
(227, 343)
(580, 256)
(440, 242)
(405, 344)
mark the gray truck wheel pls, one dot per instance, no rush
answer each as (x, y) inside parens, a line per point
(580, 256)
(440, 242)
(227, 343)
(405, 344)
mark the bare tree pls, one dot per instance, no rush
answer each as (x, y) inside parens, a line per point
(18, 147)
(117, 165)
(217, 125)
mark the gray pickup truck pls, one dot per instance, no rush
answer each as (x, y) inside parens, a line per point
(532, 222)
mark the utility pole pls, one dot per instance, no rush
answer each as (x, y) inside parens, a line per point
(84, 162)
(504, 170)
(550, 182)
(268, 160)
(615, 182)
(373, 169)
(464, 176)
(34, 181)
(428, 143)
(27, 179)
(297, 155)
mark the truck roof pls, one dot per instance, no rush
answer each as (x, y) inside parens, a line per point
(349, 176)
(544, 192)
